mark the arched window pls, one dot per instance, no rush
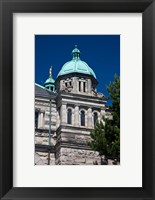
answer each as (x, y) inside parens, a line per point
(82, 118)
(69, 116)
(95, 118)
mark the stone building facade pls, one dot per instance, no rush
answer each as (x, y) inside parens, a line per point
(71, 105)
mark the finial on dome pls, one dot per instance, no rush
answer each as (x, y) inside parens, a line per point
(50, 82)
(76, 53)
(50, 71)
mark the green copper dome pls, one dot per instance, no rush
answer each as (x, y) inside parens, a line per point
(76, 65)
(49, 80)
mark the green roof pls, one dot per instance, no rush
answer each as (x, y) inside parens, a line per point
(76, 65)
(49, 80)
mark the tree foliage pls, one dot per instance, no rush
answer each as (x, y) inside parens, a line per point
(106, 133)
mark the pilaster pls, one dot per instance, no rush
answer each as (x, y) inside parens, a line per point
(41, 119)
(76, 116)
(89, 86)
(102, 113)
(75, 85)
(89, 117)
(82, 86)
(63, 114)
(86, 89)
(61, 85)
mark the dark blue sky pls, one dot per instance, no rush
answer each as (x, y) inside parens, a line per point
(100, 52)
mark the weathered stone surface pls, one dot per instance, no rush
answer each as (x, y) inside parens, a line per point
(40, 162)
(80, 160)
(36, 158)
(41, 158)
(42, 154)
(77, 156)
(89, 161)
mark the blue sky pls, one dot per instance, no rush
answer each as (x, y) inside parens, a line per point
(100, 52)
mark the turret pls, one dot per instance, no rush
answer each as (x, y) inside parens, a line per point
(50, 82)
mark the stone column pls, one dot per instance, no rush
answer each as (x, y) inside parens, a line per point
(102, 113)
(41, 119)
(57, 120)
(61, 85)
(82, 86)
(63, 114)
(89, 86)
(99, 117)
(86, 87)
(75, 84)
(89, 117)
(76, 116)
(86, 118)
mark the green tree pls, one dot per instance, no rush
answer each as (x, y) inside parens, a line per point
(106, 134)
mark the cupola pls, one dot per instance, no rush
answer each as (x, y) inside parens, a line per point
(76, 76)
(50, 82)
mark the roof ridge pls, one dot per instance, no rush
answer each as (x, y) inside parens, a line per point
(40, 86)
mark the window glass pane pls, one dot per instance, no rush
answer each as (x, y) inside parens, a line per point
(36, 119)
(82, 118)
(79, 86)
(69, 116)
(84, 87)
(95, 118)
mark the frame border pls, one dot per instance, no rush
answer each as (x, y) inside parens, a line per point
(7, 8)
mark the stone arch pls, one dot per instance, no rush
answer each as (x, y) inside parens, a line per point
(70, 113)
(83, 117)
(95, 117)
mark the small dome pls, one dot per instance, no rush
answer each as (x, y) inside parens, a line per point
(49, 80)
(75, 50)
(76, 65)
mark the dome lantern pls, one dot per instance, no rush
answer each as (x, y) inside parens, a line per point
(76, 53)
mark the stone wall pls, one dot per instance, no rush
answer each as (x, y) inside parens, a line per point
(41, 158)
(68, 140)
(70, 156)
(43, 139)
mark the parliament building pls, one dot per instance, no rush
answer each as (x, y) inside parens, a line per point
(66, 110)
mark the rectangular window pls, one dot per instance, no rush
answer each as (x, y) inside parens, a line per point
(82, 118)
(84, 87)
(95, 118)
(36, 119)
(69, 116)
(79, 86)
